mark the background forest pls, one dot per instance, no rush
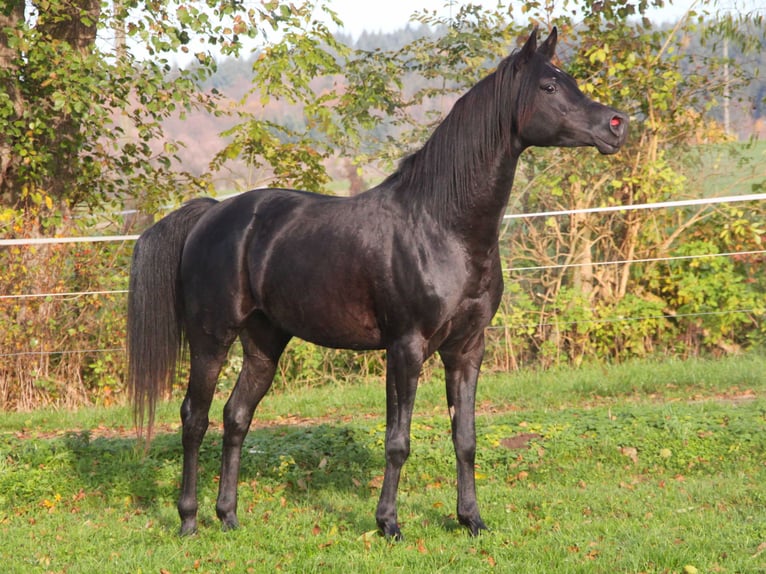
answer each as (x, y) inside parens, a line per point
(112, 114)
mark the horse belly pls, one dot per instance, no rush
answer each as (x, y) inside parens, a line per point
(323, 302)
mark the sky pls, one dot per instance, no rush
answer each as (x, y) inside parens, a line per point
(390, 15)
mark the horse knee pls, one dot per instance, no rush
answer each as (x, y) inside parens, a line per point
(194, 427)
(194, 412)
(398, 450)
(465, 447)
(236, 421)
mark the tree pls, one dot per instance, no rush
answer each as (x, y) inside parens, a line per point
(11, 101)
(82, 120)
(82, 129)
(623, 59)
(81, 123)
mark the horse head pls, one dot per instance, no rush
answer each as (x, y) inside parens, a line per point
(553, 111)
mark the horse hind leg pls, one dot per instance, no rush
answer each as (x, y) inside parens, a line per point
(207, 357)
(262, 345)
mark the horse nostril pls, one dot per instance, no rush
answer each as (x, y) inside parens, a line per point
(618, 124)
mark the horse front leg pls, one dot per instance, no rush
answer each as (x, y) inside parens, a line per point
(461, 366)
(403, 363)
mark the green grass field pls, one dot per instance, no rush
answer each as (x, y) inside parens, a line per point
(644, 467)
(736, 168)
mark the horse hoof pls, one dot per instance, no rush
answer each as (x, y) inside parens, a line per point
(475, 526)
(391, 532)
(229, 524)
(188, 529)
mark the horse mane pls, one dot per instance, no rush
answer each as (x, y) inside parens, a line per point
(444, 174)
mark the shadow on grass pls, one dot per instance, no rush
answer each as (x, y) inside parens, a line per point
(297, 460)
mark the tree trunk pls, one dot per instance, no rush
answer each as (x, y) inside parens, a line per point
(72, 22)
(75, 23)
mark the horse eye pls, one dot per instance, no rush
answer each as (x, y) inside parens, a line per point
(549, 88)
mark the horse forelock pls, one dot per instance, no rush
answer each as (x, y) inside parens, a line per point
(520, 88)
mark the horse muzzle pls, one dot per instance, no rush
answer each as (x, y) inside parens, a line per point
(611, 137)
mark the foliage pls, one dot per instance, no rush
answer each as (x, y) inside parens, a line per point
(82, 124)
(83, 130)
(634, 66)
(636, 467)
(62, 349)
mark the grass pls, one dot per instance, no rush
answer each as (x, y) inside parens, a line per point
(645, 467)
(734, 168)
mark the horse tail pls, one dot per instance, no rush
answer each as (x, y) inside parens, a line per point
(155, 318)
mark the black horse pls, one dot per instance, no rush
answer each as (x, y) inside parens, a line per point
(411, 266)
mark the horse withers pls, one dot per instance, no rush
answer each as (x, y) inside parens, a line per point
(411, 266)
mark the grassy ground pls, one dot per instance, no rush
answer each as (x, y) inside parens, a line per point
(646, 467)
(735, 168)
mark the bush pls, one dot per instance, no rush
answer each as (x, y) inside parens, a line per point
(61, 350)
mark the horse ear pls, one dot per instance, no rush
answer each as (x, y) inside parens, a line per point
(527, 50)
(548, 48)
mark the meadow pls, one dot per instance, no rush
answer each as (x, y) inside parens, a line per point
(648, 466)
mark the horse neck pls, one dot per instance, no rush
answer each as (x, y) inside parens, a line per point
(462, 176)
(466, 193)
(479, 221)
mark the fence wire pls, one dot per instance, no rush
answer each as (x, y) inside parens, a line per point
(606, 209)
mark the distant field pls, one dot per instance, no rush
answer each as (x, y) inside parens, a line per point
(645, 467)
(730, 169)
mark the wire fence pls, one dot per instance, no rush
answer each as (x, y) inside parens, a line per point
(605, 209)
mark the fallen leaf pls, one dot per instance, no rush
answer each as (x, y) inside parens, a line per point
(519, 441)
(631, 452)
(376, 482)
(368, 535)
